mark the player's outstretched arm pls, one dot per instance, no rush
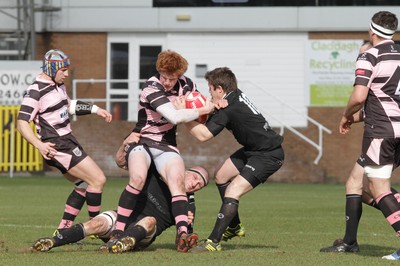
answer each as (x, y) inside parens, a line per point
(199, 131)
(176, 116)
(120, 160)
(77, 107)
(106, 115)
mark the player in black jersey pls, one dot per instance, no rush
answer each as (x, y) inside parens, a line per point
(260, 157)
(153, 216)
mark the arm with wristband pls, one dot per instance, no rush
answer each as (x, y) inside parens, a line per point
(78, 108)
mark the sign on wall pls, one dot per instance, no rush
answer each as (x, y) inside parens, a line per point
(15, 77)
(331, 66)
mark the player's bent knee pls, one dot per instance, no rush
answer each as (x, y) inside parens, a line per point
(97, 182)
(148, 223)
(152, 221)
(104, 223)
(137, 182)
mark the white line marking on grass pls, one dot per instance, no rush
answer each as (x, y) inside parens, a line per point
(26, 226)
(299, 233)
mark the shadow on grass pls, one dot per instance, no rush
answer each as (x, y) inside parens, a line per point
(369, 250)
(225, 246)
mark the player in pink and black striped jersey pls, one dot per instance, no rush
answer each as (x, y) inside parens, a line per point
(47, 104)
(157, 122)
(376, 89)
(357, 192)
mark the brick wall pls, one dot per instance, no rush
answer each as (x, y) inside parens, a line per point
(101, 141)
(88, 57)
(88, 54)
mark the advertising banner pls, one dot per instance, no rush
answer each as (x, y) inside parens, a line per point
(331, 66)
(15, 77)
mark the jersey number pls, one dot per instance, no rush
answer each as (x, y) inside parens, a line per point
(243, 98)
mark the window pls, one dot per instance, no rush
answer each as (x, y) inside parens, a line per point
(119, 64)
(147, 62)
(9, 49)
(119, 69)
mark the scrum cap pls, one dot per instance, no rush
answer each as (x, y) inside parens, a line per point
(54, 60)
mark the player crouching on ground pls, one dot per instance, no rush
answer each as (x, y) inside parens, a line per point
(145, 225)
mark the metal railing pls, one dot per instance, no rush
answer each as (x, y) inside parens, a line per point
(321, 129)
(132, 94)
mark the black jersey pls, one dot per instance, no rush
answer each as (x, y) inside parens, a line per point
(246, 123)
(155, 200)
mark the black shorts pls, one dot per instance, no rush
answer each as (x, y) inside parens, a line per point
(396, 162)
(69, 153)
(380, 151)
(257, 166)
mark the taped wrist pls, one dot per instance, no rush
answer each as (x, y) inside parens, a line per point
(191, 208)
(191, 201)
(77, 107)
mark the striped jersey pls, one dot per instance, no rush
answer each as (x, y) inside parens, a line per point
(150, 123)
(378, 69)
(46, 104)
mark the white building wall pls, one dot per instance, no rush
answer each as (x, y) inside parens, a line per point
(255, 19)
(272, 61)
(264, 45)
(140, 16)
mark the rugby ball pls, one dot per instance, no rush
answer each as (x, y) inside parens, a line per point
(196, 100)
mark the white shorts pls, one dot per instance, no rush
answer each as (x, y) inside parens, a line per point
(380, 171)
(160, 157)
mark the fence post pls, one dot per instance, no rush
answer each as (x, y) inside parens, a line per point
(12, 145)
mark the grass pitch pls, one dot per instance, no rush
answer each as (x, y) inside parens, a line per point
(286, 224)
